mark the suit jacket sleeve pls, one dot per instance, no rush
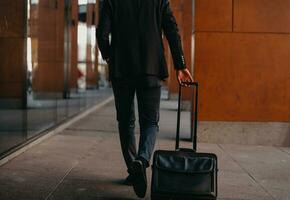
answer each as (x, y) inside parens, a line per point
(170, 30)
(104, 29)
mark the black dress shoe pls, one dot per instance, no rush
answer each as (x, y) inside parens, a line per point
(138, 171)
(129, 180)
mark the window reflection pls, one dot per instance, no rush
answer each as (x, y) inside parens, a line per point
(41, 90)
(54, 72)
(82, 44)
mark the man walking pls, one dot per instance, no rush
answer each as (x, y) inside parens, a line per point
(137, 65)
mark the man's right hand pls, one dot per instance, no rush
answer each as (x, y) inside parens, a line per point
(184, 76)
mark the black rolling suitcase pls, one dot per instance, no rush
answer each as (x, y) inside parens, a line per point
(184, 173)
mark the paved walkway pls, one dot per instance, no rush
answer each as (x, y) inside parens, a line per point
(84, 162)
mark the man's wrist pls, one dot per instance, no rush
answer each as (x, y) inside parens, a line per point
(181, 69)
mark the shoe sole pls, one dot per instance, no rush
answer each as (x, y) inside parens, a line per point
(139, 180)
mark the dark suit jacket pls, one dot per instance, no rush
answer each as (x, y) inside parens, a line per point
(135, 47)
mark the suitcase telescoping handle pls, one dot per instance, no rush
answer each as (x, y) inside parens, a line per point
(194, 101)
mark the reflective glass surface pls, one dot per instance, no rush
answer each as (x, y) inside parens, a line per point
(42, 67)
(12, 77)
(52, 73)
(11, 126)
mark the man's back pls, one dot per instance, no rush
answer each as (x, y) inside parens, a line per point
(136, 27)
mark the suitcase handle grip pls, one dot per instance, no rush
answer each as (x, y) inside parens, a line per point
(194, 106)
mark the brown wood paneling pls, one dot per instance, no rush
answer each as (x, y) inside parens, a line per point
(243, 77)
(213, 15)
(51, 31)
(47, 51)
(47, 24)
(50, 37)
(48, 77)
(11, 89)
(12, 18)
(60, 24)
(262, 16)
(11, 59)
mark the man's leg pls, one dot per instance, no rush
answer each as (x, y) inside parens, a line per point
(124, 102)
(148, 108)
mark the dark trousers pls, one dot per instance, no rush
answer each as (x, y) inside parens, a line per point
(148, 98)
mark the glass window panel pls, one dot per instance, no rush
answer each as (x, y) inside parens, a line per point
(42, 67)
(51, 74)
(12, 127)
(12, 75)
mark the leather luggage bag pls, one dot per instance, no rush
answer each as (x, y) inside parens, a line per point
(184, 173)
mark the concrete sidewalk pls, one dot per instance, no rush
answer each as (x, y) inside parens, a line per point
(84, 162)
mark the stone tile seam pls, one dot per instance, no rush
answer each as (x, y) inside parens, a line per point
(18, 170)
(61, 181)
(247, 172)
(90, 130)
(282, 150)
(82, 157)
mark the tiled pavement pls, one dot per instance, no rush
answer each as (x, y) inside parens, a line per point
(84, 162)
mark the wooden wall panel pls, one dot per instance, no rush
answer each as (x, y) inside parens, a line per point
(47, 23)
(12, 42)
(49, 77)
(47, 50)
(213, 15)
(262, 16)
(50, 37)
(12, 18)
(11, 90)
(51, 31)
(11, 59)
(243, 77)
